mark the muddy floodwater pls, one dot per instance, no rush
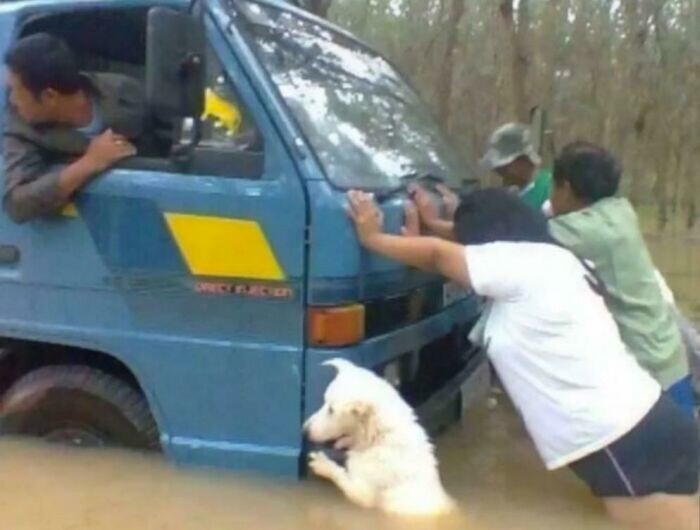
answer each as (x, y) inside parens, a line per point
(488, 465)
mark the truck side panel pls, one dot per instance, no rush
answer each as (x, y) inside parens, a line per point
(194, 282)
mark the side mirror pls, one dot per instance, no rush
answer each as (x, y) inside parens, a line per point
(175, 64)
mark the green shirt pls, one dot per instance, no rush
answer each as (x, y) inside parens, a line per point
(607, 234)
(537, 193)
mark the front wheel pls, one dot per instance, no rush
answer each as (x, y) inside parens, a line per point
(79, 406)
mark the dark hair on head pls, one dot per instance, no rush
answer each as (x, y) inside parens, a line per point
(494, 214)
(43, 61)
(592, 172)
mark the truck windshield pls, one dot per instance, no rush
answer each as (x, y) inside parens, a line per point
(368, 128)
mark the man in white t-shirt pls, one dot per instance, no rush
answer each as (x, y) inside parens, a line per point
(561, 362)
(585, 401)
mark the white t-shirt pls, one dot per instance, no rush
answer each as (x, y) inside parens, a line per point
(557, 350)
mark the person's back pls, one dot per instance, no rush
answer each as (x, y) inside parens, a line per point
(561, 362)
(604, 230)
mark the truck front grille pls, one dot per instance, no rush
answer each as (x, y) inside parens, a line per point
(388, 314)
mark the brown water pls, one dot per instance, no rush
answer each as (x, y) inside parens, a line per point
(487, 462)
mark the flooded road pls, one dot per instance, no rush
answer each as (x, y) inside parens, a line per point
(487, 464)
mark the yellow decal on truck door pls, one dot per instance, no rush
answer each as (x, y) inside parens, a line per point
(218, 246)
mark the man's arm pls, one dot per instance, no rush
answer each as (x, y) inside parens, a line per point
(442, 228)
(430, 254)
(427, 253)
(33, 190)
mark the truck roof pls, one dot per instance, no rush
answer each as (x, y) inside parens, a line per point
(6, 5)
(291, 5)
(285, 3)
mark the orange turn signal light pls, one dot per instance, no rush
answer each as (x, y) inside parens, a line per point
(336, 326)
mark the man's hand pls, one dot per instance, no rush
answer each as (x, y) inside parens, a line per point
(107, 149)
(366, 215)
(411, 224)
(104, 151)
(428, 210)
(450, 199)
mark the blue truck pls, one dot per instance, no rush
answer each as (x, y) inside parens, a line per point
(186, 302)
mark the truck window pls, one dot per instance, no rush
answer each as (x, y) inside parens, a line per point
(97, 38)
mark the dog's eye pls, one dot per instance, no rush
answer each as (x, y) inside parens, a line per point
(330, 409)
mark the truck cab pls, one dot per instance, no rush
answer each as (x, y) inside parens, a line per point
(186, 300)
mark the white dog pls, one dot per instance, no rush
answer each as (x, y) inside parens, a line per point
(390, 462)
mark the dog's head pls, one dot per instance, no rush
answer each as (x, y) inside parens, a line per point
(353, 403)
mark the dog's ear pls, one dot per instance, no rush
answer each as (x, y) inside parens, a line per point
(339, 364)
(365, 415)
(360, 409)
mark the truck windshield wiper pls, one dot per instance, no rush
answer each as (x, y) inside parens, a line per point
(425, 179)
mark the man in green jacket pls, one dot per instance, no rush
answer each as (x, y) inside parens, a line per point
(603, 229)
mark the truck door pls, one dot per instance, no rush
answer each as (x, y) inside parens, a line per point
(193, 276)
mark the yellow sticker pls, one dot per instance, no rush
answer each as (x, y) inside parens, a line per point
(223, 247)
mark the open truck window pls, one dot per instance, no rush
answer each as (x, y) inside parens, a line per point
(97, 38)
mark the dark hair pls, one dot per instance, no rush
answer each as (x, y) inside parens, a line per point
(43, 61)
(592, 172)
(494, 214)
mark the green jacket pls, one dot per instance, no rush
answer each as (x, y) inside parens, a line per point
(607, 234)
(537, 193)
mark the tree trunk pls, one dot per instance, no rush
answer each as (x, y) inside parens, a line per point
(446, 71)
(519, 38)
(364, 16)
(318, 7)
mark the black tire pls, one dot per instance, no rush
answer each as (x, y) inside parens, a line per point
(78, 405)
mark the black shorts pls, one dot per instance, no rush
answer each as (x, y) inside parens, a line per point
(660, 455)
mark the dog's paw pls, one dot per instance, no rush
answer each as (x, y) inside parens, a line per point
(322, 466)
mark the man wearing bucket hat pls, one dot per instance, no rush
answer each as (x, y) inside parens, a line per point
(512, 155)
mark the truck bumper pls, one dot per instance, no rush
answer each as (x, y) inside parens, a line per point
(438, 402)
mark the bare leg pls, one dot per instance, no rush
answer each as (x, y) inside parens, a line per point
(656, 512)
